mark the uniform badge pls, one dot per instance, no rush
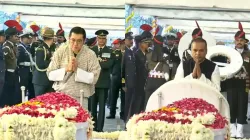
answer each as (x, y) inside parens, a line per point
(117, 55)
(106, 55)
(176, 54)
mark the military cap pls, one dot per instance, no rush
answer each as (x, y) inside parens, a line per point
(11, 31)
(60, 33)
(117, 41)
(129, 35)
(101, 33)
(241, 33)
(25, 34)
(48, 32)
(91, 41)
(197, 31)
(146, 37)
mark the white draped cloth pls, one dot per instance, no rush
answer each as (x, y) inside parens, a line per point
(84, 78)
(215, 77)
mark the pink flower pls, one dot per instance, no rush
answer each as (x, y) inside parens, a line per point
(187, 107)
(55, 101)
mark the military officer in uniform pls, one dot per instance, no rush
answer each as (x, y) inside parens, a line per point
(145, 40)
(10, 95)
(129, 74)
(238, 88)
(60, 35)
(43, 57)
(116, 81)
(105, 57)
(2, 65)
(173, 56)
(25, 62)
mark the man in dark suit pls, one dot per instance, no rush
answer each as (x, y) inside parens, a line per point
(129, 74)
(42, 59)
(24, 61)
(105, 57)
(2, 65)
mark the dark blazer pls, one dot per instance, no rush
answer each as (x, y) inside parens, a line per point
(129, 68)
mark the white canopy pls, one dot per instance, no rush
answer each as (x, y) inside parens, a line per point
(217, 17)
(92, 15)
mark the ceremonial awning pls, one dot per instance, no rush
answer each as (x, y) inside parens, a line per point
(217, 17)
(92, 15)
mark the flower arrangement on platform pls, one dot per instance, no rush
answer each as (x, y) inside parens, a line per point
(189, 118)
(109, 135)
(45, 117)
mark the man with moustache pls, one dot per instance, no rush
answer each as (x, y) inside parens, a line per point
(238, 88)
(106, 60)
(129, 74)
(198, 67)
(173, 59)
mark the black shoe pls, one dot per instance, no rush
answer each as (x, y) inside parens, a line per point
(110, 117)
(99, 131)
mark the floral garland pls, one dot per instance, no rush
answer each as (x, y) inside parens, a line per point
(109, 135)
(190, 118)
(44, 117)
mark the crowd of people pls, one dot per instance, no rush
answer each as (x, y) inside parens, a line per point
(134, 67)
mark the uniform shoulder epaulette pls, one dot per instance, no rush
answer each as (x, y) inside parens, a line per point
(39, 48)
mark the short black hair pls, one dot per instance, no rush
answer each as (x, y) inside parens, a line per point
(199, 40)
(78, 30)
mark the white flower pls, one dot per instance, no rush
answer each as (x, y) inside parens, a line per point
(42, 110)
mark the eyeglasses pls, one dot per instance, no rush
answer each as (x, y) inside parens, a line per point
(79, 41)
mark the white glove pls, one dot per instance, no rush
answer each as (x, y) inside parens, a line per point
(166, 75)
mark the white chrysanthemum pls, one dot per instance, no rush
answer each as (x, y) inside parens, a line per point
(208, 118)
(197, 132)
(42, 110)
(62, 126)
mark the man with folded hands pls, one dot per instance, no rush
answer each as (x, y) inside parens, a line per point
(75, 67)
(198, 67)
